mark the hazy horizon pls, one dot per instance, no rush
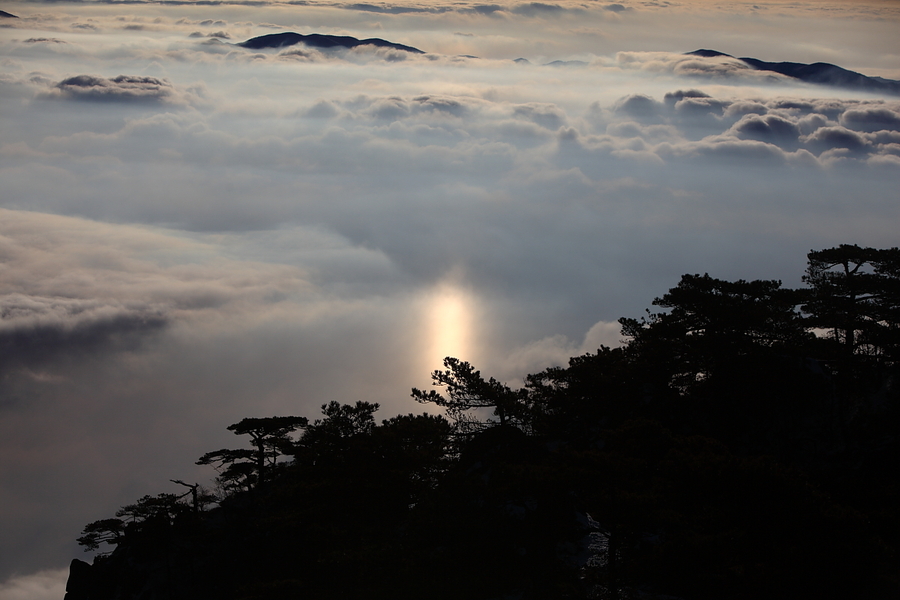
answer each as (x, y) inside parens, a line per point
(192, 232)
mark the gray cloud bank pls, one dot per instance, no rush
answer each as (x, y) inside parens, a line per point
(120, 88)
(37, 329)
(692, 124)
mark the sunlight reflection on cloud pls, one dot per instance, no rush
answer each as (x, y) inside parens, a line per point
(452, 323)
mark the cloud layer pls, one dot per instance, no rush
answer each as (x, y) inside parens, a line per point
(192, 232)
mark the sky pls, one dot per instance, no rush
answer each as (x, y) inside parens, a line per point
(192, 233)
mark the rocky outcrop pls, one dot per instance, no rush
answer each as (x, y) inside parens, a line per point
(80, 585)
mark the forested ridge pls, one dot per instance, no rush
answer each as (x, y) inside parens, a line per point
(741, 443)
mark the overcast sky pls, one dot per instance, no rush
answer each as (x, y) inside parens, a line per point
(192, 233)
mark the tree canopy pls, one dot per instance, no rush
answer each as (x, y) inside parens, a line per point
(244, 468)
(854, 296)
(741, 443)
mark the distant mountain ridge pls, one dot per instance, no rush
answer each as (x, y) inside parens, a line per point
(318, 40)
(6, 15)
(818, 73)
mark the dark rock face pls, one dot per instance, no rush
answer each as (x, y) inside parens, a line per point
(317, 40)
(819, 73)
(80, 585)
(6, 15)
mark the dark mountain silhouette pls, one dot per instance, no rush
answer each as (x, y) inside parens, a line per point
(708, 53)
(318, 40)
(818, 73)
(566, 63)
(724, 451)
(6, 15)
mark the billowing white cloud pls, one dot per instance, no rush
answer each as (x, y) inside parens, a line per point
(872, 118)
(555, 351)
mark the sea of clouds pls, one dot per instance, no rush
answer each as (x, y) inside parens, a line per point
(192, 232)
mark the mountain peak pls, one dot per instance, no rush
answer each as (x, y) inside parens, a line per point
(818, 73)
(708, 53)
(318, 40)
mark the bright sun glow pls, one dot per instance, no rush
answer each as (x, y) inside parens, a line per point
(450, 317)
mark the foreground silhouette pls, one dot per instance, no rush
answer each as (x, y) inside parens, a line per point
(725, 451)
